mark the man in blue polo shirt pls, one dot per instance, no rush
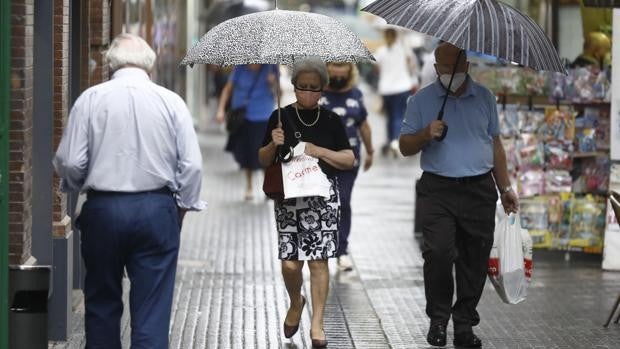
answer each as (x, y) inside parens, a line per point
(456, 195)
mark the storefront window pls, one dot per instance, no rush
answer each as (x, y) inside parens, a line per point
(161, 24)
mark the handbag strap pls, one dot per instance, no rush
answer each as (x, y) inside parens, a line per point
(279, 150)
(296, 132)
(256, 77)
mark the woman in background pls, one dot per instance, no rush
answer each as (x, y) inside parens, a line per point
(343, 98)
(251, 86)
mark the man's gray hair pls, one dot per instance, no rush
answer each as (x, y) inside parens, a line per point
(132, 51)
(310, 65)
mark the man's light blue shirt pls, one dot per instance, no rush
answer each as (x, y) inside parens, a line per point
(130, 135)
(472, 123)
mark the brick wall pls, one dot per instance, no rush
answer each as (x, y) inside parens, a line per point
(96, 23)
(100, 22)
(61, 221)
(20, 131)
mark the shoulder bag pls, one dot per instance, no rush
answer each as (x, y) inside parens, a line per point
(272, 183)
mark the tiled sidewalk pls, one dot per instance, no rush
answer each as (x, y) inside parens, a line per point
(229, 292)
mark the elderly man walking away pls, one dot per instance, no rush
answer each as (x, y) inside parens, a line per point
(131, 146)
(457, 192)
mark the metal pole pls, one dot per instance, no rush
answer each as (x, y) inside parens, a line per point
(555, 22)
(5, 45)
(42, 125)
(75, 88)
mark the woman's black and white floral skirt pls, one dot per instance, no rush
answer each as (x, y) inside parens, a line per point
(308, 227)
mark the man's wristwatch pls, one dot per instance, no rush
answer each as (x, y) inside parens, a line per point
(504, 190)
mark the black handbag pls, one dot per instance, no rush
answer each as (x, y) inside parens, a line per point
(236, 117)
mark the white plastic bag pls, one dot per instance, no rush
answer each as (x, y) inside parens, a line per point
(302, 176)
(510, 262)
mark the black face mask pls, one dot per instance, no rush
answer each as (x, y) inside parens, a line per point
(338, 83)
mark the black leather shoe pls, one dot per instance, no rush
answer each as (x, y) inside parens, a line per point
(318, 343)
(437, 335)
(289, 331)
(467, 340)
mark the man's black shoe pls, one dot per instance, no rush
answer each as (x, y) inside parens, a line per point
(467, 340)
(437, 335)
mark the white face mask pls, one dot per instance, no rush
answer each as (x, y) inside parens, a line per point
(459, 79)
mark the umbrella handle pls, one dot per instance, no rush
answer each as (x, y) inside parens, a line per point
(445, 127)
(443, 134)
(440, 114)
(276, 92)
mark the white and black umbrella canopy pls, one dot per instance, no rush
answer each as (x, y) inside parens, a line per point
(277, 37)
(485, 26)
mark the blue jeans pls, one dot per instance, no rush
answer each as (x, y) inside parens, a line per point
(346, 179)
(139, 232)
(395, 106)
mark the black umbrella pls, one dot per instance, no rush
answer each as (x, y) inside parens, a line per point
(486, 26)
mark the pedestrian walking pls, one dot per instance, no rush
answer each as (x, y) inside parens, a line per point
(342, 97)
(308, 227)
(397, 65)
(131, 146)
(250, 88)
(457, 192)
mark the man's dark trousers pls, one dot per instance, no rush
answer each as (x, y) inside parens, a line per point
(138, 232)
(457, 217)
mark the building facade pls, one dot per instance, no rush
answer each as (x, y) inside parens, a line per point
(51, 51)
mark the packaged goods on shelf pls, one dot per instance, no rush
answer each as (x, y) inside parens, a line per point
(557, 181)
(558, 154)
(556, 129)
(530, 121)
(535, 218)
(559, 124)
(591, 174)
(587, 223)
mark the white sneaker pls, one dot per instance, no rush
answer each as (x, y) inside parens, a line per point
(395, 149)
(345, 263)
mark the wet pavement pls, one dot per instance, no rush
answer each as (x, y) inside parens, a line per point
(229, 292)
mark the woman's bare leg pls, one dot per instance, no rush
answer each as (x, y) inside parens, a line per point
(291, 272)
(319, 287)
(248, 184)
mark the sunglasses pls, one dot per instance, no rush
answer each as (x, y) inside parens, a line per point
(308, 88)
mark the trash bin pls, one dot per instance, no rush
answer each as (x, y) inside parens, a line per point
(29, 287)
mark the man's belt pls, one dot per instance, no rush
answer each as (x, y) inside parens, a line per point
(460, 180)
(98, 193)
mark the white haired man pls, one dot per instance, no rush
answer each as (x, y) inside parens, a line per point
(131, 146)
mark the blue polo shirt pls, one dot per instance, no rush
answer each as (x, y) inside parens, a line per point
(472, 123)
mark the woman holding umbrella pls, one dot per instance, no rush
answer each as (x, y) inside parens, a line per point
(308, 227)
